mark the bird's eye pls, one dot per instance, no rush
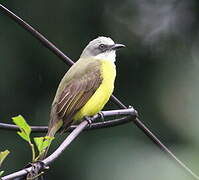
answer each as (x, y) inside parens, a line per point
(102, 46)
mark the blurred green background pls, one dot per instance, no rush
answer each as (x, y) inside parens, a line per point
(158, 73)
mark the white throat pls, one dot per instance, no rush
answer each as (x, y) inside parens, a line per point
(108, 56)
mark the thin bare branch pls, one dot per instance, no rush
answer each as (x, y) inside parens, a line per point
(95, 125)
(65, 143)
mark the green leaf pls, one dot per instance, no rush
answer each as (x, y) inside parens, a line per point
(23, 126)
(3, 155)
(1, 173)
(42, 143)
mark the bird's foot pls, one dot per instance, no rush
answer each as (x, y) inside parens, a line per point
(89, 120)
(101, 116)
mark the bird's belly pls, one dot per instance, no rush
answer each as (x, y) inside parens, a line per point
(102, 94)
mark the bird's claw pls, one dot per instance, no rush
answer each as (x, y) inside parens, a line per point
(101, 115)
(89, 120)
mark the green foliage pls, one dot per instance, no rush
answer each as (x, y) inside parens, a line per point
(1, 173)
(42, 143)
(3, 155)
(25, 129)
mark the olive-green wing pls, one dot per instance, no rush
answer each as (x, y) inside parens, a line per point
(75, 95)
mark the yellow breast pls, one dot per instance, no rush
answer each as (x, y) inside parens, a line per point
(102, 94)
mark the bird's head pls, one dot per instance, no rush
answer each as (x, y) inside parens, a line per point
(101, 48)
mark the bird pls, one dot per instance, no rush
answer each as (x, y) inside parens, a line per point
(87, 85)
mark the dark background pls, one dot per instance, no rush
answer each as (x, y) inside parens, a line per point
(158, 73)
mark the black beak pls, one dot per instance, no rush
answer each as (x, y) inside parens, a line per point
(117, 46)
